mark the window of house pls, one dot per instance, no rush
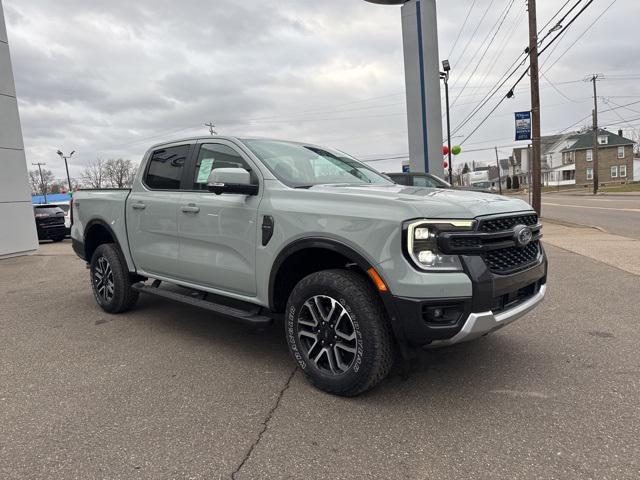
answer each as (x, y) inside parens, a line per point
(603, 140)
(213, 156)
(589, 173)
(589, 155)
(165, 168)
(614, 171)
(620, 152)
(623, 171)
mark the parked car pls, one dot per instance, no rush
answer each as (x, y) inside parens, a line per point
(66, 208)
(50, 222)
(356, 266)
(429, 181)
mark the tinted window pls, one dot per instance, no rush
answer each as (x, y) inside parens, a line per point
(47, 210)
(399, 179)
(64, 208)
(165, 168)
(213, 156)
(424, 182)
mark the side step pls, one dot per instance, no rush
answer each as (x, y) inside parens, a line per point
(251, 317)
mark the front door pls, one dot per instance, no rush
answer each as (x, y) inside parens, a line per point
(218, 233)
(152, 212)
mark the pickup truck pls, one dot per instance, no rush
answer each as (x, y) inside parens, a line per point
(356, 267)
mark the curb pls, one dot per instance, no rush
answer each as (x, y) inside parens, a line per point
(572, 225)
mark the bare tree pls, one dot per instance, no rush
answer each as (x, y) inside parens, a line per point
(120, 173)
(41, 185)
(94, 174)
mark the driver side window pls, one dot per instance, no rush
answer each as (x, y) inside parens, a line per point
(213, 156)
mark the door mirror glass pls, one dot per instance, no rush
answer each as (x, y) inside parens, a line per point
(231, 180)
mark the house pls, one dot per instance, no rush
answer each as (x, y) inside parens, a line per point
(566, 159)
(554, 170)
(615, 158)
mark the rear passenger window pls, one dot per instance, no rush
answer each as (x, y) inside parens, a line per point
(165, 168)
(214, 156)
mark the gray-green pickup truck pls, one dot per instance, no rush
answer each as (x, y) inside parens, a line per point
(356, 267)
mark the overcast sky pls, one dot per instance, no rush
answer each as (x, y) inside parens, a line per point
(110, 78)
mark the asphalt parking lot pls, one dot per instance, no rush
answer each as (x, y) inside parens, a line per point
(168, 391)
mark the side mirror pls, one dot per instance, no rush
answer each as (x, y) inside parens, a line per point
(231, 180)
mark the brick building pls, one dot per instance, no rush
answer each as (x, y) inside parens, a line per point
(615, 158)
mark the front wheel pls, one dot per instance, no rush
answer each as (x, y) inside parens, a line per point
(338, 333)
(110, 280)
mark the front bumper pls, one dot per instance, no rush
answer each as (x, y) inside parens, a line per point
(497, 300)
(480, 324)
(51, 232)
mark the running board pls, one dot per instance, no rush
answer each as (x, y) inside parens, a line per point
(250, 317)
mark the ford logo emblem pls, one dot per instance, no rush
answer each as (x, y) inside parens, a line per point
(522, 235)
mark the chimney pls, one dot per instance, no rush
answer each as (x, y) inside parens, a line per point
(620, 133)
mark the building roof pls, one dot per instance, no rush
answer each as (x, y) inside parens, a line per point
(585, 140)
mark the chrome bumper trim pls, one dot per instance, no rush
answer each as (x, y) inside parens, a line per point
(480, 324)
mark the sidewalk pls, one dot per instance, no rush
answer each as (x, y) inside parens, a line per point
(615, 250)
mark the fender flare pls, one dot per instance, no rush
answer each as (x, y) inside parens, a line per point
(313, 242)
(106, 226)
(351, 254)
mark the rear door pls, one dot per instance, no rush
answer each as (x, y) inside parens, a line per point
(218, 233)
(152, 211)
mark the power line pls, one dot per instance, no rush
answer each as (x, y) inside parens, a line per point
(464, 24)
(582, 35)
(499, 23)
(510, 93)
(473, 36)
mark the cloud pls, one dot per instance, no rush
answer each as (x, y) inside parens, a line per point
(111, 78)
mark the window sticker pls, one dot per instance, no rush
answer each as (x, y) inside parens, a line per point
(206, 165)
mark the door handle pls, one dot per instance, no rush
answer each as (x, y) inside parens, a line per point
(191, 208)
(138, 206)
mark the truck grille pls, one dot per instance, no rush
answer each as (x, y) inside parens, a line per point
(507, 223)
(509, 259)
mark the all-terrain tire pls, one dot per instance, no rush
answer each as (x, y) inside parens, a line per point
(353, 296)
(114, 294)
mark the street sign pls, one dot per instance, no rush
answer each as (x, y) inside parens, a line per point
(523, 126)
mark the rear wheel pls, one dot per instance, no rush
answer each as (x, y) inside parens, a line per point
(337, 332)
(58, 239)
(110, 280)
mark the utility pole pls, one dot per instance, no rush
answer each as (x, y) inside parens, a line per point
(499, 176)
(212, 128)
(594, 78)
(535, 108)
(66, 165)
(42, 185)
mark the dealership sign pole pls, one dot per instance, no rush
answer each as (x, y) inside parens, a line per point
(422, 81)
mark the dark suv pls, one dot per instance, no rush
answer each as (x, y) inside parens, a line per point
(50, 222)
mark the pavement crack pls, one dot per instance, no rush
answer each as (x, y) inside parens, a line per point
(265, 424)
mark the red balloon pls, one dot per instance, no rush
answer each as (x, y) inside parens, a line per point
(445, 150)
(445, 165)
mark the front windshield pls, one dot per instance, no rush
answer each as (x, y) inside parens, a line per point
(299, 165)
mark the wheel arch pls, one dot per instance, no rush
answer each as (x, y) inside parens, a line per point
(98, 232)
(335, 254)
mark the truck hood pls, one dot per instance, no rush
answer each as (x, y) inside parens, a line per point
(432, 202)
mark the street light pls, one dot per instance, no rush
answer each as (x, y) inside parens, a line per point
(446, 66)
(66, 165)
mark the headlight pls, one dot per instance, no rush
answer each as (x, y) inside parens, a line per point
(421, 244)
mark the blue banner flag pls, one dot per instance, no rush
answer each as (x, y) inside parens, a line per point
(523, 126)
